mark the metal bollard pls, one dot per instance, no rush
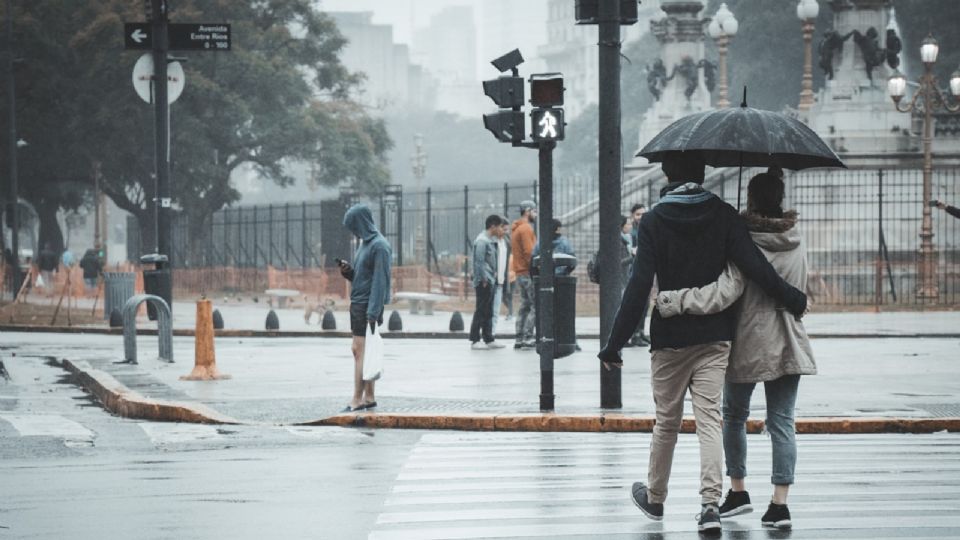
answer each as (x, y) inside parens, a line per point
(164, 327)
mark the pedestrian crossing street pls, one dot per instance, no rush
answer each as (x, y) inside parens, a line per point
(526, 485)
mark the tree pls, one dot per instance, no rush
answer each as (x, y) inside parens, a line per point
(280, 97)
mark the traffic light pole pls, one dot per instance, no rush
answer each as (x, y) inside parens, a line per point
(548, 343)
(161, 116)
(610, 183)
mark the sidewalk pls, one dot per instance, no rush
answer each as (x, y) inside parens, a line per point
(294, 380)
(250, 316)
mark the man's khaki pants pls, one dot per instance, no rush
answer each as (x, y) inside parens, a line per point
(701, 369)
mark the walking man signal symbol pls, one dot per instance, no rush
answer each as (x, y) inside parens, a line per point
(549, 125)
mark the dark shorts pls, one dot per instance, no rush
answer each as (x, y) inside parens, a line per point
(358, 320)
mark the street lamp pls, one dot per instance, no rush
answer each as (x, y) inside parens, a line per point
(807, 11)
(723, 27)
(927, 98)
(418, 161)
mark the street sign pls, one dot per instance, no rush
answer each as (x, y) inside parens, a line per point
(137, 36)
(143, 79)
(199, 37)
(181, 37)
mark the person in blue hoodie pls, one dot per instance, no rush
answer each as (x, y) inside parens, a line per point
(370, 290)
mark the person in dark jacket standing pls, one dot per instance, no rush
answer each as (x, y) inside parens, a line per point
(370, 290)
(92, 268)
(486, 259)
(686, 241)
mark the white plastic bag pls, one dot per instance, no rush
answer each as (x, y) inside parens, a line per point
(372, 355)
(40, 284)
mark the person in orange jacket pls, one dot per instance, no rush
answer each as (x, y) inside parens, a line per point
(522, 240)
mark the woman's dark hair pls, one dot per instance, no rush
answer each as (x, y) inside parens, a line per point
(765, 196)
(623, 220)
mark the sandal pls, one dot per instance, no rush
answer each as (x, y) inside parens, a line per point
(370, 405)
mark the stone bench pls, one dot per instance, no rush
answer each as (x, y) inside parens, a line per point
(281, 295)
(418, 298)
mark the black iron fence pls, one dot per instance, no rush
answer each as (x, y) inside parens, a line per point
(861, 228)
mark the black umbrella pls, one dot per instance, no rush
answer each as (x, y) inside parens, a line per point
(743, 136)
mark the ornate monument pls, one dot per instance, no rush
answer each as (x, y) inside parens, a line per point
(853, 112)
(675, 79)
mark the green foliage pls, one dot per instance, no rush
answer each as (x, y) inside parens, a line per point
(278, 98)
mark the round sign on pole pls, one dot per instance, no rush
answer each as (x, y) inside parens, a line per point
(143, 79)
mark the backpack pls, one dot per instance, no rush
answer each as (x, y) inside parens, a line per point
(593, 268)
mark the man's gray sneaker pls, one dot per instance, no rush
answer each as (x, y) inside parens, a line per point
(709, 519)
(638, 494)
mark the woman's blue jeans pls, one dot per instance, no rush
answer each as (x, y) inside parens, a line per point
(781, 397)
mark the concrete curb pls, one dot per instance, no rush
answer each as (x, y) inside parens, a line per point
(187, 332)
(122, 401)
(620, 423)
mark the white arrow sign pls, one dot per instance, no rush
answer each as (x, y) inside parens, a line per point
(549, 125)
(138, 36)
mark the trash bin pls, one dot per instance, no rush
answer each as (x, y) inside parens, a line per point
(564, 305)
(118, 287)
(157, 281)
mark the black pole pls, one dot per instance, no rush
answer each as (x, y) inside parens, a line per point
(466, 241)
(400, 226)
(610, 185)
(161, 121)
(506, 199)
(429, 228)
(545, 306)
(13, 201)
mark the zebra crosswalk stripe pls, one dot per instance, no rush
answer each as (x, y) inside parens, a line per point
(50, 425)
(527, 485)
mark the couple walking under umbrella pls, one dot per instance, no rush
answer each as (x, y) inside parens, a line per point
(705, 256)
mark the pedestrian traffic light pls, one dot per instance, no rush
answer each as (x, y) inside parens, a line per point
(546, 94)
(506, 126)
(507, 92)
(547, 124)
(546, 90)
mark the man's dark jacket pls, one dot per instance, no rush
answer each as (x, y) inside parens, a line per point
(686, 241)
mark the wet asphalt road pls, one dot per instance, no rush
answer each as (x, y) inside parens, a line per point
(70, 470)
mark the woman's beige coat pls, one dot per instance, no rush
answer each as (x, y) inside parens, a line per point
(769, 342)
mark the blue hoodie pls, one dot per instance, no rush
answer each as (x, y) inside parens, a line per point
(371, 262)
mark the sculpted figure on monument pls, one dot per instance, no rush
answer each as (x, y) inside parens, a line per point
(832, 41)
(869, 45)
(656, 79)
(894, 46)
(687, 69)
(709, 73)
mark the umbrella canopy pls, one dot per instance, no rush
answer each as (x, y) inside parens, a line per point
(743, 137)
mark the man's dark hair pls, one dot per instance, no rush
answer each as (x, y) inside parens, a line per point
(683, 167)
(636, 207)
(624, 220)
(765, 195)
(556, 225)
(493, 220)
